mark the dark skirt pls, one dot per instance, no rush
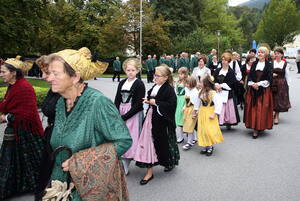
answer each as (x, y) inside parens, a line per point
(258, 113)
(19, 162)
(281, 99)
(166, 147)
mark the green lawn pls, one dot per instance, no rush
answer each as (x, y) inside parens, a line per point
(34, 82)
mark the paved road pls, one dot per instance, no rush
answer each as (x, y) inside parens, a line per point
(241, 169)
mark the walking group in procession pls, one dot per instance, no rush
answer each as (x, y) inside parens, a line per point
(90, 141)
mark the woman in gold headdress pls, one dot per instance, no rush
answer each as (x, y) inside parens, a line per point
(85, 118)
(22, 147)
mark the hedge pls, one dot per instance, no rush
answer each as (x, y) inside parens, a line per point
(39, 91)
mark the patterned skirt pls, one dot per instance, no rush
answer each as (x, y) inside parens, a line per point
(19, 162)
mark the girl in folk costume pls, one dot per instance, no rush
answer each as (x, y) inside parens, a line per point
(259, 102)
(280, 85)
(129, 101)
(225, 80)
(191, 105)
(180, 92)
(209, 132)
(157, 143)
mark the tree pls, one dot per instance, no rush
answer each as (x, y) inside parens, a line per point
(19, 25)
(216, 16)
(155, 30)
(279, 23)
(185, 15)
(248, 19)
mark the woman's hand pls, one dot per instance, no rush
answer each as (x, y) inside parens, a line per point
(2, 118)
(275, 75)
(150, 101)
(255, 86)
(218, 87)
(65, 165)
(242, 82)
(194, 115)
(212, 116)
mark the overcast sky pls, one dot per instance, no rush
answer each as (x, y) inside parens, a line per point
(235, 2)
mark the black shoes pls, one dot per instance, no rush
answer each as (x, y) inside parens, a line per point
(203, 151)
(180, 141)
(168, 169)
(144, 182)
(210, 151)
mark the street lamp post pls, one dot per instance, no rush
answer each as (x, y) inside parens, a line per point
(218, 35)
(141, 28)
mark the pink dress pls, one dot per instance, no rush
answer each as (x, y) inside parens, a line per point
(133, 127)
(145, 151)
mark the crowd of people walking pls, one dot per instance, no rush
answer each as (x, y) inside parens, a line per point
(193, 108)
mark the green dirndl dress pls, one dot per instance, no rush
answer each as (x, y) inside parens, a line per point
(180, 92)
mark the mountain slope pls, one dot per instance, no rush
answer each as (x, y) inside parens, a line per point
(255, 3)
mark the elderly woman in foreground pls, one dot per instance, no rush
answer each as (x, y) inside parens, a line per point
(85, 120)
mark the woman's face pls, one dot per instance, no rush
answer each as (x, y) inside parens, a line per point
(200, 85)
(278, 55)
(261, 55)
(252, 60)
(6, 75)
(45, 74)
(159, 78)
(224, 62)
(201, 63)
(60, 81)
(131, 71)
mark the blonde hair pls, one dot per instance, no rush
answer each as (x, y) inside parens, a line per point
(133, 61)
(227, 56)
(165, 71)
(191, 81)
(265, 50)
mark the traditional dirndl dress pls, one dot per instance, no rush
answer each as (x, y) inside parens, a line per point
(258, 113)
(145, 152)
(180, 103)
(134, 124)
(280, 90)
(188, 122)
(209, 132)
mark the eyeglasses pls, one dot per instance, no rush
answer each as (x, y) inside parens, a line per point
(155, 75)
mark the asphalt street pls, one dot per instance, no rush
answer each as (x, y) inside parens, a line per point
(241, 168)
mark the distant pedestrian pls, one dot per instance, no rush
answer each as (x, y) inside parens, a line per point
(117, 69)
(298, 60)
(150, 69)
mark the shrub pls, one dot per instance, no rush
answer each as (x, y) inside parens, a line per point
(39, 91)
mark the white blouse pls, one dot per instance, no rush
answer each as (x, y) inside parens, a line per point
(264, 83)
(202, 72)
(128, 84)
(224, 85)
(280, 66)
(194, 97)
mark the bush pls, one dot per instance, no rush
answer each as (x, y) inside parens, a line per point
(39, 91)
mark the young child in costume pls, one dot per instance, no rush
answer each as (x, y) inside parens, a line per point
(180, 92)
(129, 101)
(209, 132)
(157, 143)
(191, 104)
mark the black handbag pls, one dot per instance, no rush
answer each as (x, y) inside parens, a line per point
(57, 190)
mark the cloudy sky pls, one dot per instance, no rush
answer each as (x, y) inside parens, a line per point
(235, 2)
